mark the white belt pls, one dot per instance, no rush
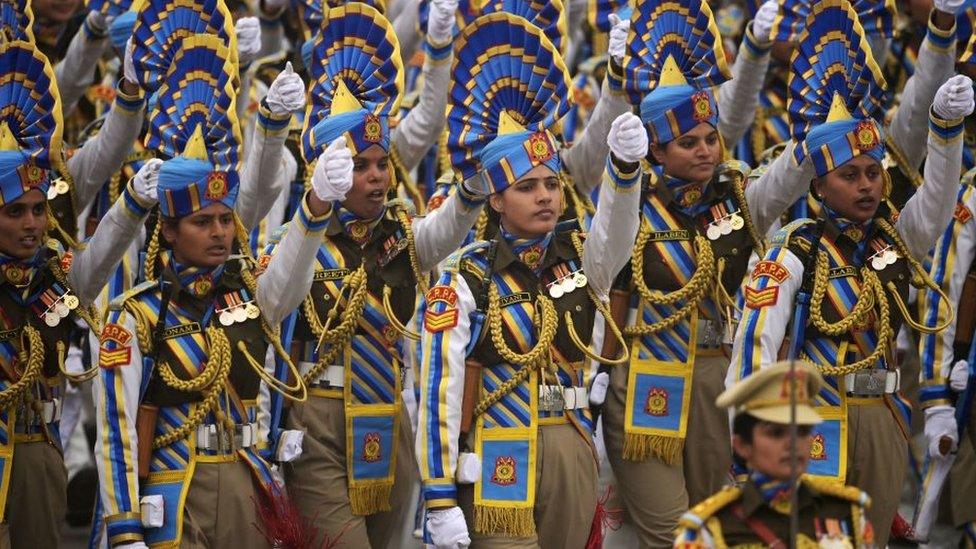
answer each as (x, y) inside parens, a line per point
(208, 438)
(555, 398)
(709, 334)
(333, 377)
(51, 410)
(872, 382)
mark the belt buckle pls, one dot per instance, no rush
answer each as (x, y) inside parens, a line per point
(551, 398)
(870, 383)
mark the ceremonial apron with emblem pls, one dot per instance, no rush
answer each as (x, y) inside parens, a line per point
(371, 362)
(185, 349)
(829, 454)
(659, 382)
(505, 435)
(30, 295)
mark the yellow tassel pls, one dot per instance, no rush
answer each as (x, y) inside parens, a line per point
(640, 447)
(371, 498)
(518, 521)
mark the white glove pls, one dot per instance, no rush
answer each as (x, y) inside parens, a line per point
(440, 22)
(628, 138)
(940, 421)
(289, 445)
(598, 389)
(248, 31)
(468, 468)
(448, 529)
(954, 98)
(287, 92)
(98, 23)
(129, 66)
(133, 545)
(951, 7)
(959, 376)
(144, 182)
(332, 177)
(618, 37)
(762, 25)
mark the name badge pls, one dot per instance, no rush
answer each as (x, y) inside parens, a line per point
(181, 330)
(511, 299)
(7, 335)
(838, 272)
(661, 236)
(330, 274)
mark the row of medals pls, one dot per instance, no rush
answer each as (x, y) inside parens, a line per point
(884, 258)
(61, 309)
(238, 313)
(720, 227)
(566, 284)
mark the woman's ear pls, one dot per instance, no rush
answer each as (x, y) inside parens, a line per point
(817, 185)
(169, 231)
(496, 202)
(742, 448)
(659, 153)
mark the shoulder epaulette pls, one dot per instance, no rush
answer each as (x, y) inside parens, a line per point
(695, 518)
(783, 236)
(117, 303)
(454, 261)
(830, 487)
(968, 177)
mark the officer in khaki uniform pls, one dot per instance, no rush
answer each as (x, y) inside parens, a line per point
(758, 511)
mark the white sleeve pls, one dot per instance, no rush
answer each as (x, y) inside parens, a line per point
(585, 159)
(781, 185)
(75, 73)
(439, 233)
(738, 98)
(260, 177)
(422, 126)
(613, 230)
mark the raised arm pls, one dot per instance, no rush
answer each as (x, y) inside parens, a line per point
(738, 98)
(76, 71)
(771, 191)
(442, 231)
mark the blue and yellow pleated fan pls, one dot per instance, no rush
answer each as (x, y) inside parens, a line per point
(548, 15)
(836, 89)
(162, 24)
(356, 80)
(30, 120)
(877, 18)
(111, 8)
(682, 30)
(194, 124)
(16, 21)
(509, 88)
(310, 12)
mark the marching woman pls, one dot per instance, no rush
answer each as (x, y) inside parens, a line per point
(667, 442)
(356, 471)
(505, 433)
(839, 283)
(43, 291)
(182, 354)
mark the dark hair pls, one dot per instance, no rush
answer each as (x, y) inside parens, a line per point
(742, 427)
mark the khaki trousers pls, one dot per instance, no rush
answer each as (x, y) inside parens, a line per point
(221, 508)
(654, 493)
(877, 457)
(565, 495)
(318, 484)
(37, 499)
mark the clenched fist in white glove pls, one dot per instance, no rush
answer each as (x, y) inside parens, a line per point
(762, 25)
(954, 98)
(287, 92)
(940, 422)
(618, 37)
(952, 7)
(332, 177)
(959, 376)
(628, 138)
(248, 30)
(145, 180)
(128, 66)
(440, 22)
(598, 389)
(448, 529)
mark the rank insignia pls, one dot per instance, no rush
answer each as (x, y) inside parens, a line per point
(216, 186)
(962, 213)
(539, 147)
(372, 451)
(866, 136)
(759, 298)
(770, 269)
(504, 474)
(441, 313)
(263, 261)
(702, 106)
(372, 129)
(435, 202)
(657, 402)
(115, 346)
(818, 450)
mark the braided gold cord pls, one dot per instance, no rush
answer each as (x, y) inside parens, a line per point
(549, 321)
(859, 313)
(86, 313)
(53, 225)
(32, 355)
(504, 389)
(152, 252)
(404, 220)
(739, 190)
(481, 225)
(607, 316)
(340, 336)
(218, 353)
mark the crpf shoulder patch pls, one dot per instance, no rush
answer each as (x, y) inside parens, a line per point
(772, 270)
(441, 313)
